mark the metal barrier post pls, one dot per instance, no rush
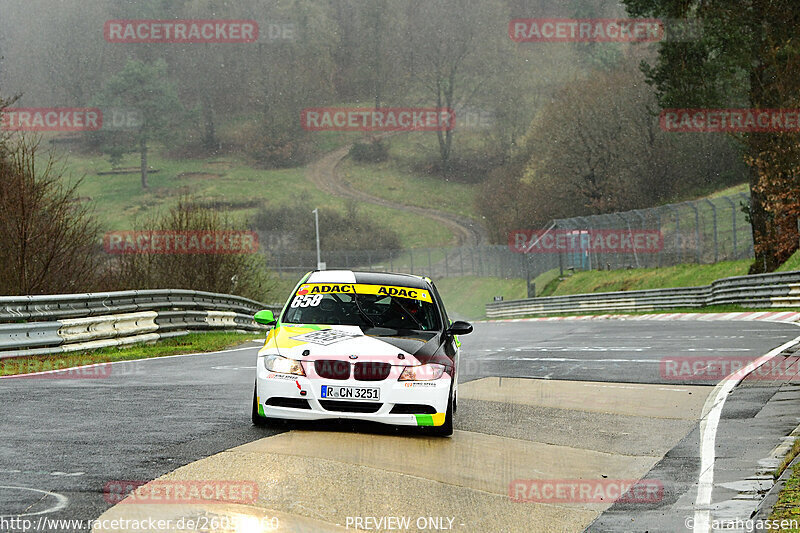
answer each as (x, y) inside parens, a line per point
(714, 214)
(733, 224)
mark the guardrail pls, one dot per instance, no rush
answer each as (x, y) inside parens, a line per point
(43, 325)
(761, 290)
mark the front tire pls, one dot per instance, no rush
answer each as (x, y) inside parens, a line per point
(258, 420)
(446, 429)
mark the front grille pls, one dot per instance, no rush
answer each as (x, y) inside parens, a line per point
(412, 409)
(295, 403)
(371, 371)
(350, 407)
(332, 369)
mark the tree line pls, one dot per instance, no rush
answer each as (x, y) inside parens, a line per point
(575, 128)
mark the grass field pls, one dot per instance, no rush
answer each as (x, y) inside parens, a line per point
(792, 264)
(119, 199)
(787, 508)
(466, 298)
(402, 178)
(688, 275)
(394, 183)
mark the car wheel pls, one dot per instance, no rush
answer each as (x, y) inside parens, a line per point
(258, 420)
(446, 429)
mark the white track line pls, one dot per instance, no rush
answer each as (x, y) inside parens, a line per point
(712, 410)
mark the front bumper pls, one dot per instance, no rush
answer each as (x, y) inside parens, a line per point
(393, 393)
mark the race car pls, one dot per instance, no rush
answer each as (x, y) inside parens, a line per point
(360, 345)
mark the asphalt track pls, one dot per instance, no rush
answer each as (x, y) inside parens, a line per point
(592, 403)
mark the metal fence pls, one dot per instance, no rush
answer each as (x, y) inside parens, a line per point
(702, 231)
(445, 262)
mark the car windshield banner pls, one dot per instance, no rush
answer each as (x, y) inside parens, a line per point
(362, 288)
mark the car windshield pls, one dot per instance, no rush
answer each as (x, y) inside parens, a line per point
(382, 310)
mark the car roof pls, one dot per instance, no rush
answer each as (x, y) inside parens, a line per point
(369, 278)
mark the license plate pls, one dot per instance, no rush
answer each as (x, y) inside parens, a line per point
(350, 393)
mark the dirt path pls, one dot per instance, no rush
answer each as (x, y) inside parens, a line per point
(323, 173)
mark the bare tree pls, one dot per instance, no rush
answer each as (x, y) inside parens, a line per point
(231, 273)
(49, 240)
(459, 55)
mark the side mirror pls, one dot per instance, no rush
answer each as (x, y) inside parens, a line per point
(267, 318)
(459, 327)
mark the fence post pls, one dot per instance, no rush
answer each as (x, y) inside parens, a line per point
(630, 234)
(642, 219)
(661, 251)
(714, 214)
(677, 231)
(733, 222)
(472, 260)
(746, 200)
(693, 205)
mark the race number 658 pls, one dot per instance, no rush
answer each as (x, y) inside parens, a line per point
(306, 300)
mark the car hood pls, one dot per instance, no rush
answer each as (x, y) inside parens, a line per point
(342, 342)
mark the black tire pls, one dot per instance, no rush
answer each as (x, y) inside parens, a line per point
(258, 420)
(446, 429)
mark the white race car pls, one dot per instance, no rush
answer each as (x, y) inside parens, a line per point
(360, 345)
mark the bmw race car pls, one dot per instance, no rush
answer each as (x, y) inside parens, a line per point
(360, 345)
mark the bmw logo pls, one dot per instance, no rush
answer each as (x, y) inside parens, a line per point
(353, 357)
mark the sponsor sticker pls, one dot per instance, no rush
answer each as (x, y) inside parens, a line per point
(287, 377)
(325, 337)
(361, 288)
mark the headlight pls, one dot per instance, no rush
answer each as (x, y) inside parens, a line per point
(427, 372)
(283, 365)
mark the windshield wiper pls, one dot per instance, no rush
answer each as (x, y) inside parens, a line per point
(406, 311)
(361, 311)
